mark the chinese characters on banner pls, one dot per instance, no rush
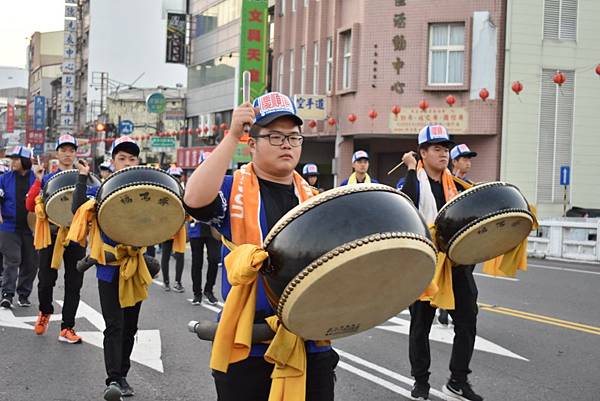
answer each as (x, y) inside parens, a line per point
(399, 42)
(10, 118)
(188, 158)
(311, 107)
(412, 119)
(253, 46)
(37, 134)
(176, 24)
(67, 113)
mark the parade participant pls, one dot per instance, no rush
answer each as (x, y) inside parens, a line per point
(430, 185)
(270, 188)
(360, 165)
(461, 157)
(167, 250)
(310, 172)
(55, 251)
(120, 307)
(4, 168)
(105, 169)
(16, 239)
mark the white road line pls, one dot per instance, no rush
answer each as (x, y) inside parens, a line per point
(158, 282)
(372, 378)
(496, 277)
(564, 269)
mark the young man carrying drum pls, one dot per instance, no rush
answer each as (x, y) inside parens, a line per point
(243, 207)
(461, 157)
(66, 152)
(360, 165)
(430, 185)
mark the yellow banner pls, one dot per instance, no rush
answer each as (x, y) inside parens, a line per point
(410, 120)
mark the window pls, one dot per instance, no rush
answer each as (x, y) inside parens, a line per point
(217, 16)
(303, 70)
(291, 92)
(329, 70)
(293, 6)
(346, 38)
(306, 3)
(555, 134)
(560, 19)
(446, 54)
(316, 68)
(280, 73)
(213, 71)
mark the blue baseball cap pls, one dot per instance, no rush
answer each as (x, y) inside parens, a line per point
(125, 143)
(176, 171)
(20, 151)
(274, 105)
(461, 150)
(66, 140)
(359, 154)
(310, 169)
(434, 134)
(107, 165)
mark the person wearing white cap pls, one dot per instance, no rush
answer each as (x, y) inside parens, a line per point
(310, 172)
(461, 157)
(105, 169)
(16, 240)
(360, 165)
(430, 185)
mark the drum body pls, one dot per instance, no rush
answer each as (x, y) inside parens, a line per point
(347, 260)
(483, 222)
(140, 206)
(58, 195)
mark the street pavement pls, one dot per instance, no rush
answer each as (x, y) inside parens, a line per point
(538, 339)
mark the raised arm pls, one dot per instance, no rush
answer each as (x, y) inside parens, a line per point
(80, 192)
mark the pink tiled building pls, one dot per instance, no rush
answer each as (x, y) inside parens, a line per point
(368, 55)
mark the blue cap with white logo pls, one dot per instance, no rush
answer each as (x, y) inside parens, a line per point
(176, 171)
(274, 105)
(359, 154)
(461, 150)
(126, 144)
(66, 140)
(107, 165)
(434, 134)
(310, 169)
(20, 151)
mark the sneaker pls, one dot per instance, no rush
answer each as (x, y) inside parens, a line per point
(41, 324)
(68, 335)
(197, 300)
(443, 317)
(126, 389)
(23, 302)
(113, 392)
(460, 391)
(6, 302)
(178, 287)
(167, 287)
(212, 300)
(420, 391)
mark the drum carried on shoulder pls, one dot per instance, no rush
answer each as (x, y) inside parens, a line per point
(140, 206)
(347, 260)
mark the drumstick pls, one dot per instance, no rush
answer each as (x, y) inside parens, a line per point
(38, 160)
(395, 168)
(246, 79)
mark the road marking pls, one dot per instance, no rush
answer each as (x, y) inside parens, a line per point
(496, 277)
(567, 269)
(541, 319)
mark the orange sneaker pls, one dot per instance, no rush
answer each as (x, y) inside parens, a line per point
(68, 335)
(41, 324)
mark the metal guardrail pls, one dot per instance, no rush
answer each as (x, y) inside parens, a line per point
(566, 238)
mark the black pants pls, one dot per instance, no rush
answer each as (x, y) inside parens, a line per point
(213, 250)
(250, 379)
(73, 281)
(167, 248)
(119, 335)
(464, 317)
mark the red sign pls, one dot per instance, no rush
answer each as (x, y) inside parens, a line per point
(10, 118)
(187, 158)
(34, 137)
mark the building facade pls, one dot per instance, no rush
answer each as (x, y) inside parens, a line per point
(549, 127)
(13, 107)
(365, 57)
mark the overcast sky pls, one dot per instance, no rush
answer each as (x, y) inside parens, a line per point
(19, 19)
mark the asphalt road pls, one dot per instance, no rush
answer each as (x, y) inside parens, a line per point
(539, 339)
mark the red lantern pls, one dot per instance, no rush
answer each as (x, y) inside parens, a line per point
(598, 69)
(331, 121)
(450, 100)
(559, 78)
(372, 114)
(205, 129)
(182, 132)
(215, 128)
(484, 94)
(423, 105)
(396, 110)
(223, 126)
(190, 131)
(517, 87)
(198, 130)
(312, 124)
(352, 118)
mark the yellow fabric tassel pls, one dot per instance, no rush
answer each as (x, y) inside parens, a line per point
(134, 277)
(84, 223)
(288, 353)
(352, 179)
(439, 292)
(59, 247)
(179, 240)
(42, 237)
(233, 338)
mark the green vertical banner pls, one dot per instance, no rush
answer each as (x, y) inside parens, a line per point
(254, 40)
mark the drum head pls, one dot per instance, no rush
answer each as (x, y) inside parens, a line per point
(31, 220)
(489, 237)
(357, 286)
(58, 207)
(141, 215)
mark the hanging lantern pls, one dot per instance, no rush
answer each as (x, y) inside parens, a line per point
(598, 69)
(517, 87)
(182, 132)
(331, 121)
(423, 105)
(352, 118)
(198, 130)
(190, 131)
(223, 126)
(484, 94)
(205, 129)
(215, 128)
(396, 110)
(372, 114)
(312, 124)
(450, 100)
(559, 78)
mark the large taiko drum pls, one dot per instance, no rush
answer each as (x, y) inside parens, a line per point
(347, 260)
(140, 206)
(483, 222)
(58, 195)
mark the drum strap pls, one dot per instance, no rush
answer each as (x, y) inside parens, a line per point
(43, 238)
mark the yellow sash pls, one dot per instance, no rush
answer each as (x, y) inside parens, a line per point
(352, 179)
(43, 238)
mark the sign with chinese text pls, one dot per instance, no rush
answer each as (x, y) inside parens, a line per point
(39, 113)
(159, 142)
(156, 103)
(311, 107)
(176, 24)
(399, 42)
(188, 157)
(84, 148)
(412, 119)
(253, 46)
(10, 118)
(69, 76)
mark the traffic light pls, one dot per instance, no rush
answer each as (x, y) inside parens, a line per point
(100, 127)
